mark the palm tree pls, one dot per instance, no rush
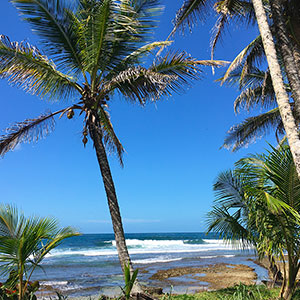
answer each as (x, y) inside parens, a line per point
(99, 43)
(259, 203)
(282, 97)
(287, 42)
(256, 91)
(192, 10)
(24, 243)
(230, 217)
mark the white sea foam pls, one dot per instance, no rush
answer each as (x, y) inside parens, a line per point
(147, 247)
(215, 256)
(53, 283)
(155, 260)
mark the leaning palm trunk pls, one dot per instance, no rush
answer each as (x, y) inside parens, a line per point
(287, 51)
(113, 205)
(278, 84)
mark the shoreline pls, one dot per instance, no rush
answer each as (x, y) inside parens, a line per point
(178, 280)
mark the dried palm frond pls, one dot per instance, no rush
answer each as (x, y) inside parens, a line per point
(30, 130)
(251, 129)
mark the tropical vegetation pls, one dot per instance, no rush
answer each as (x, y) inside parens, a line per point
(258, 203)
(238, 292)
(24, 243)
(95, 51)
(282, 15)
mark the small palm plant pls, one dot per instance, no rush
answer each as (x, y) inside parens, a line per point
(24, 243)
(129, 281)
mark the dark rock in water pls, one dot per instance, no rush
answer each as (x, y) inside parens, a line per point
(154, 290)
(141, 296)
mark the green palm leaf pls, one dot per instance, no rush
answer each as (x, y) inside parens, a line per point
(52, 20)
(110, 138)
(24, 65)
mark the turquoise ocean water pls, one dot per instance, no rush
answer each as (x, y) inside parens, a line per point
(89, 264)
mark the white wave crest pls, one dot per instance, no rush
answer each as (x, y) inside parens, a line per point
(155, 260)
(53, 283)
(147, 247)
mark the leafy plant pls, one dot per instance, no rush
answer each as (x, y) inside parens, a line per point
(129, 280)
(24, 243)
(259, 203)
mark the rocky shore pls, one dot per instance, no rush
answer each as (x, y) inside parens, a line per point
(181, 279)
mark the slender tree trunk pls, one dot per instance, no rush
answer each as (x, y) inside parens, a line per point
(112, 201)
(273, 269)
(286, 48)
(291, 282)
(20, 283)
(278, 84)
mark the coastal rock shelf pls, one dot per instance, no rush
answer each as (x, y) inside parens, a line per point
(217, 276)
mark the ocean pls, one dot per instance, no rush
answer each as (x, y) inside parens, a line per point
(88, 264)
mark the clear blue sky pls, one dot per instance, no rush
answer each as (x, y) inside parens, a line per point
(172, 148)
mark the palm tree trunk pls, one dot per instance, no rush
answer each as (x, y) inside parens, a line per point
(273, 269)
(20, 297)
(112, 201)
(291, 282)
(278, 84)
(287, 51)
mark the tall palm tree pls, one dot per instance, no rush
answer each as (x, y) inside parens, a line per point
(192, 10)
(282, 97)
(259, 203)
(284, 22)
(96, 47)
(24, 243)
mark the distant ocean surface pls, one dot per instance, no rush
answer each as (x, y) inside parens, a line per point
(88, 264)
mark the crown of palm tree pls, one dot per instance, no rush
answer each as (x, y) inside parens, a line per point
(92, 49)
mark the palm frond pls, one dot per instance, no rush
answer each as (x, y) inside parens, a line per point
(252, 128)
(228, 190)
(111, 140)
(253, 52)
(190, 12)
(217, 33)
(140, 84)
(135, 56)
(260, 92)
(228, 226)
(24, 65)
(183, 67)
(52, 20)
(98, 35)
(30, 130)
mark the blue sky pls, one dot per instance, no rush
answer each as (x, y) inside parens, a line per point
(172, 148)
